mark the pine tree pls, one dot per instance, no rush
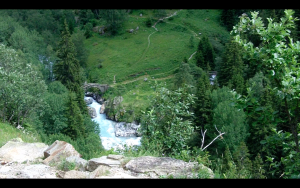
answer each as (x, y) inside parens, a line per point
(258, 171)
(232, 66)
(244, 164)
(200, 60)
(203, 103)
(67, 70)
(205, 54)
(75, 123)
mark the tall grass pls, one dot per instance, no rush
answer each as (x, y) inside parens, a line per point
(8, 132)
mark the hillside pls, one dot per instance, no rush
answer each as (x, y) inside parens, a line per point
(152, 52)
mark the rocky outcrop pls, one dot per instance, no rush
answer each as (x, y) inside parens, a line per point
(19, 151)
(111, 166)
(95, 162)
(102, 108)
(58, 151)
(124, 129)
(165, 166)
(80, 164)
(92, 112)
(88, 101)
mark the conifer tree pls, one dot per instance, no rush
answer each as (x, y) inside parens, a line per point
(203, 102)
(67, 69)
(232, 67)
(258, 171)
(75, 123)
(205, 54)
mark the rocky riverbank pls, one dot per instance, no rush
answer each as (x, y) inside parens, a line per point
(20, 160)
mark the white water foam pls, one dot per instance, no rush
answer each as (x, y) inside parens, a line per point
(107, 132)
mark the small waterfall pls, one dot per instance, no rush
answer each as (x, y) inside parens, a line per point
(107, 130)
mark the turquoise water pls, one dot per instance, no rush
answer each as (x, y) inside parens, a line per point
(107, 133)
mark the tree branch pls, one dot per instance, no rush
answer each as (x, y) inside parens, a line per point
(220, 134)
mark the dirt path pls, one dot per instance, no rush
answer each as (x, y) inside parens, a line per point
(149, 42)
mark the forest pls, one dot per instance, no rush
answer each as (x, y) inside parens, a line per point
(243, 124)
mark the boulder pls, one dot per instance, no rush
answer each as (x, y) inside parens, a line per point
(137, 28)
(102, 108)
(95, 162)
(80, 164)
(100, 171)
(18, 151)
(145, 79)
(88, 101)
(23, 171)
(74, 174)
(115, 157)
(165, 166)
(141, 15)
(92, 112)
(131, 30)
(58, 151)
(126, 129)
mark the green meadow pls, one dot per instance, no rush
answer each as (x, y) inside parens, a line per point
(131, 57)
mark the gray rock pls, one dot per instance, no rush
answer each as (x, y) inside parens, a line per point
(74, 174)
(102, 108)
(92, 112)
(131, 30)
(165, 166)
(58, 151)
(19, 151)
(145, 79)
(88, 101)
(115, 157)
(137, 28)
(95, 162)
(79, 162)
(141, 15)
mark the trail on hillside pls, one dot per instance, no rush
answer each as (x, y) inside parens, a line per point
(142, 77)
(149, 42)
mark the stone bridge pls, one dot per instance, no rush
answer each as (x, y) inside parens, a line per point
(102, 87)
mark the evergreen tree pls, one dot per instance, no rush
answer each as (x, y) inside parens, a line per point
(244, 164)
(75, 127)
(184, 76)
(203, 103)
(205, 54)
(258, 171)
(232, 67)
(228, 18)
(67, 69)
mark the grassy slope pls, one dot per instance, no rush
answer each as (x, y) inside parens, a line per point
(130, 57)
(8, 132)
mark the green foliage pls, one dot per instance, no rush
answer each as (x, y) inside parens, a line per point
(166, 124)
(183, 76)
(114, 18)
(206, 56)
(82, 53)
(75, 127)
(232, 67)
(203, 110)
(67, 69)
(258, 171)
(230, 120)
(21, 86)
(278, 55)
